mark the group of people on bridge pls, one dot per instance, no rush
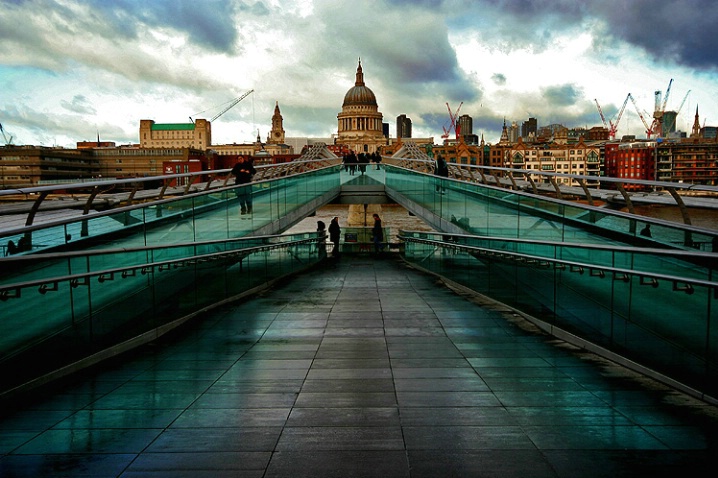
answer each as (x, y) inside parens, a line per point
(353, 161)
(377, 234)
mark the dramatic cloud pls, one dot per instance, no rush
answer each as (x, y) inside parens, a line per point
(209, 24)
(564, 95)
(499, 79)
(79, 104)
(71, 67)
(682, 32)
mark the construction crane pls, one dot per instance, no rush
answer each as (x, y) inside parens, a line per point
(452, 123)
(600, 112)
(672, 122)
(230, 105)
(612, 126)
(659, 109)
(649, 129)
(8, 141)
(668, 93)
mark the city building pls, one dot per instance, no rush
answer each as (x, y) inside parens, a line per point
(465, 127)
(465, 124)
(668, 125)
(498, 154)
(252, 149)
(597, 133)
(709, 132)
(529, 129)
(276, 135)
(196, 135)
(578, 159)
(403, 126)
(631, 160)
(459, 153)
(28, 166)
(135, 162)
(692, 161)
(360, 124)
(95, 144)
(513, 132)
(555, 133)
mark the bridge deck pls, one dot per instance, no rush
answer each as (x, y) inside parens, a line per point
(360, 368)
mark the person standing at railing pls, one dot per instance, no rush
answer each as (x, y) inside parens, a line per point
(334, 235)
(441, 169)
(377, 234)
(243, 172)
(376, 157)
(11, 248)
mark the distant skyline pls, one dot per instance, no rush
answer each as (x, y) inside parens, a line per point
(70, 70)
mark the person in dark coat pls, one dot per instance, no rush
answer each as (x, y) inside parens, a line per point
(11, 248)
(377, 159)
(442, 170)
(362, 162)
(377, 234)
(334, 235)
(243, 172)
(352, 160)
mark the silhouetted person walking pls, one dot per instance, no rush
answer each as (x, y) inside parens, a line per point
(334, 235)
(377, 234)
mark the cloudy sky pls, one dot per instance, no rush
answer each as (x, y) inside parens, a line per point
(71, 69)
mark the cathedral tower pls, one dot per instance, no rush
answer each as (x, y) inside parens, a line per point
(360, 122)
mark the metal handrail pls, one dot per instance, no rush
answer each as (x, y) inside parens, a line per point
(617, 184)
(139, 248)
(43, 191)
(428, 165)
(417, 167)
(128, 271)
(679, 253)
(573, 266)
(264, 173)
(296, 167)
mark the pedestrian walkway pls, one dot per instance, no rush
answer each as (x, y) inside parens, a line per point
(360, 368)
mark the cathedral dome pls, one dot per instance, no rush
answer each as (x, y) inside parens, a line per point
(359, 94)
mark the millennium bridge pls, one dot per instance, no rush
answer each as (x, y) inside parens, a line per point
(161, 333)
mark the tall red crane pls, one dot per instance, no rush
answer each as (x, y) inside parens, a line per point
(649, 129)
(600, 112)
(612, 126)
(452, 123)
